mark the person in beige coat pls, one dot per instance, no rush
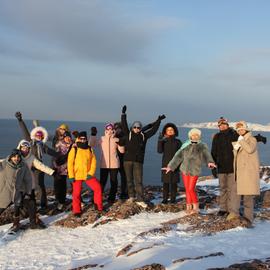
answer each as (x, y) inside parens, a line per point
(246, 171)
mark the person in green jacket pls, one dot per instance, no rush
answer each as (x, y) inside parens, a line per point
(191, 156)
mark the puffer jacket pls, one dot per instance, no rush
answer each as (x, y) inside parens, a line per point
(191, 159)
(81, 163)
(109, 158)
(14, 180)
(32, 162)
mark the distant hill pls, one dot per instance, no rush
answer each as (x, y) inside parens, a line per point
(213, 125)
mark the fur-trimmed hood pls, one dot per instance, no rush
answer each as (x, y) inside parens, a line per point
(43, 130)
(20, 144)
(172, 126)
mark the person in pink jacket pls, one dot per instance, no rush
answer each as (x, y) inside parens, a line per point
(109, 160)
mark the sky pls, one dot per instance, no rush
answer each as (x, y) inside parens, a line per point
(82, 60)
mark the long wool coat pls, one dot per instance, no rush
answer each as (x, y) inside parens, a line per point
(246, 166)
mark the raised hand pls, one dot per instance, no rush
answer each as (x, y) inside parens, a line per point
(124, 109)
(161, 117)
(18, 115)
(93, 131)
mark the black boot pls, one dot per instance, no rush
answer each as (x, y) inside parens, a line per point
(16, 224)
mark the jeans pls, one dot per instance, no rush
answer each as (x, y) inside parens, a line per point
(134, 174)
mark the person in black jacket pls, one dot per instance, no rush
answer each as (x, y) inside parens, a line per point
(168, 145)
(135, 141)
(222, 153)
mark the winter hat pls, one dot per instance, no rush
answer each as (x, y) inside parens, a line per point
(82, 134)
(64, 126)
(171, 125)
(136, 124)
(194, 131)
(241, 125)
(25, 143)
(109, 126)
(222, 121)
(67, 134)
(15, 152)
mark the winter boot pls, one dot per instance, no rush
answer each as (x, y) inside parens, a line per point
(16, 224)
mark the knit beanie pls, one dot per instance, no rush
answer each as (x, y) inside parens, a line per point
(194, 131)
(241, 125)
(82, 134)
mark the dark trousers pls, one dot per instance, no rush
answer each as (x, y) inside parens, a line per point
(104, 173)
(248, 206)
(124, 190)
(60, 188)
(40, 188)
(28, 205)
(2, 210)
(134, 174)
(169, 188)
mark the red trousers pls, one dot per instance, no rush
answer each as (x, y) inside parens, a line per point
(94, 184)
(190, 184)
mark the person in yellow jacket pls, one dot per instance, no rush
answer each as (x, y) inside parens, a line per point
(82, 168)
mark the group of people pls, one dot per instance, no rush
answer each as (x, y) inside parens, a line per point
(122, 149)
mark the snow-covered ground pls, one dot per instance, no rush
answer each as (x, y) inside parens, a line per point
(213, 125)
(62, 248)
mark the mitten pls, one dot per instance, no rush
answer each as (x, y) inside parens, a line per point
(18, 115)
(161, 117)
(89, 177)
(93, 131)
(124, 109)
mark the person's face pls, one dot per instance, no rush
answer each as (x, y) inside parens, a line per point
(223, 127)
(67, 140)
(38, 137)
(25, 150)
(61, 131)
(136, 129)
(169, 131)
(15, 159)
(194, 137)
(82, 139)
(110, 131)
(241, 132)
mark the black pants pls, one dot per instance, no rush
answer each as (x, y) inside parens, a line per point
(134, 174)
(169, 188)
(2, 210)
(41, 189)
(60, 188)
(29, 205)
(124, 190)
(113, 180)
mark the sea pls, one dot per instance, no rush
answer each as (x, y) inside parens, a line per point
(10, 135)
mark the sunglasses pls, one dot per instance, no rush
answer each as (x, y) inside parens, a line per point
(137, 127)
(82, 139)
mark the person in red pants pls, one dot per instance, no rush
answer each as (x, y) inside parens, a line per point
(81, 168)
(191, 156)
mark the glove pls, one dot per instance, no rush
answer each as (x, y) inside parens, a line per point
(214, 172)
(260, 138)
(54, 173)
(240, 138)
(88, 177)
(124, 109)
(18, 115)
(75, 133)
(93, 131)
(160, 137)
(236, 146)
(161, 117)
